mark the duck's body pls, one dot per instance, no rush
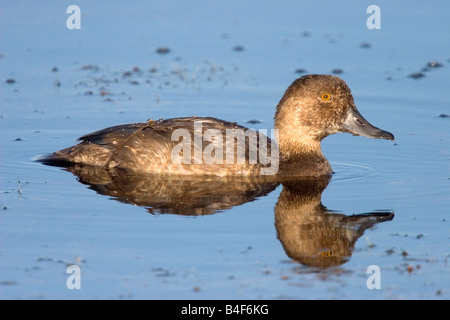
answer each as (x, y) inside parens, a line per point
(147, 147)
(312, 108)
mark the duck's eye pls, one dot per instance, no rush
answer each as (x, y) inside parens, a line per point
(325, 96)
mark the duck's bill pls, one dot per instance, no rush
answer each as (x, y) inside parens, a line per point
(357, 125)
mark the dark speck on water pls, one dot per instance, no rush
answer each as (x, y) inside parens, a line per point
(253, 121)
(301, 71)
(90, 67)
(306, 34)
(416, 75)
(365, 45)
(163, 50)
(444, 115)
(238, 48)
(337, 71)
(430, 66)
(8, 283)
(10, 81)
(434, 64)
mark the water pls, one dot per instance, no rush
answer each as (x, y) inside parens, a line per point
(71, 82)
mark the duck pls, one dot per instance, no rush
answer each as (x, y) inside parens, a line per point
(313, 107)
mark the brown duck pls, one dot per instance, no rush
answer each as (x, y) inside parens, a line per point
(312, 108)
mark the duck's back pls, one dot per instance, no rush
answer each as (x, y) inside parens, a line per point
(158, 147)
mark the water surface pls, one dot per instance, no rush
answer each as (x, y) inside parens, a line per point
(233, 61)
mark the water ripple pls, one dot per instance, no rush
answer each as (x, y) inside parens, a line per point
(344, 171)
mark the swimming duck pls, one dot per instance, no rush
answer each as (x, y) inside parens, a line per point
(312, 108)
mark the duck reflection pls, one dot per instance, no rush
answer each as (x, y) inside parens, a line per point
(183, 195)
(313, 235)
(309, 232)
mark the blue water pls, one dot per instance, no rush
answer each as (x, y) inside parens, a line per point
(71, 82)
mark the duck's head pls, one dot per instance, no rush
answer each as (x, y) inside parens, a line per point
(316, 106)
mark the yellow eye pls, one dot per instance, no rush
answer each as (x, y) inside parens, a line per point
(325, 96)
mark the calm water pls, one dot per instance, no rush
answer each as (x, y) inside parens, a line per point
(386, 205)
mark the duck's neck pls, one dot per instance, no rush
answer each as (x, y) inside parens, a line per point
(302, 156)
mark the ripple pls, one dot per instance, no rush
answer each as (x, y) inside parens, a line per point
(344, 171)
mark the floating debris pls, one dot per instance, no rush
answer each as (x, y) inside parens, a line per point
(337, 71)
(416, 75)
(390, 251)
(365, 45)
(163, 50)
(434, 64)
(306, 34)
(44, 259)
(89, 67)
(301, 71)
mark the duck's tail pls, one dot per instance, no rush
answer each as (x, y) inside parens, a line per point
(56, 159)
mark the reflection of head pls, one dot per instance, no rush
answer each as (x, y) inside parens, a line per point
(315, 241)
(313, 235)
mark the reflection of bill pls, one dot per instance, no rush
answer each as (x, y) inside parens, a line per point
(232, 147)
(313, 235)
